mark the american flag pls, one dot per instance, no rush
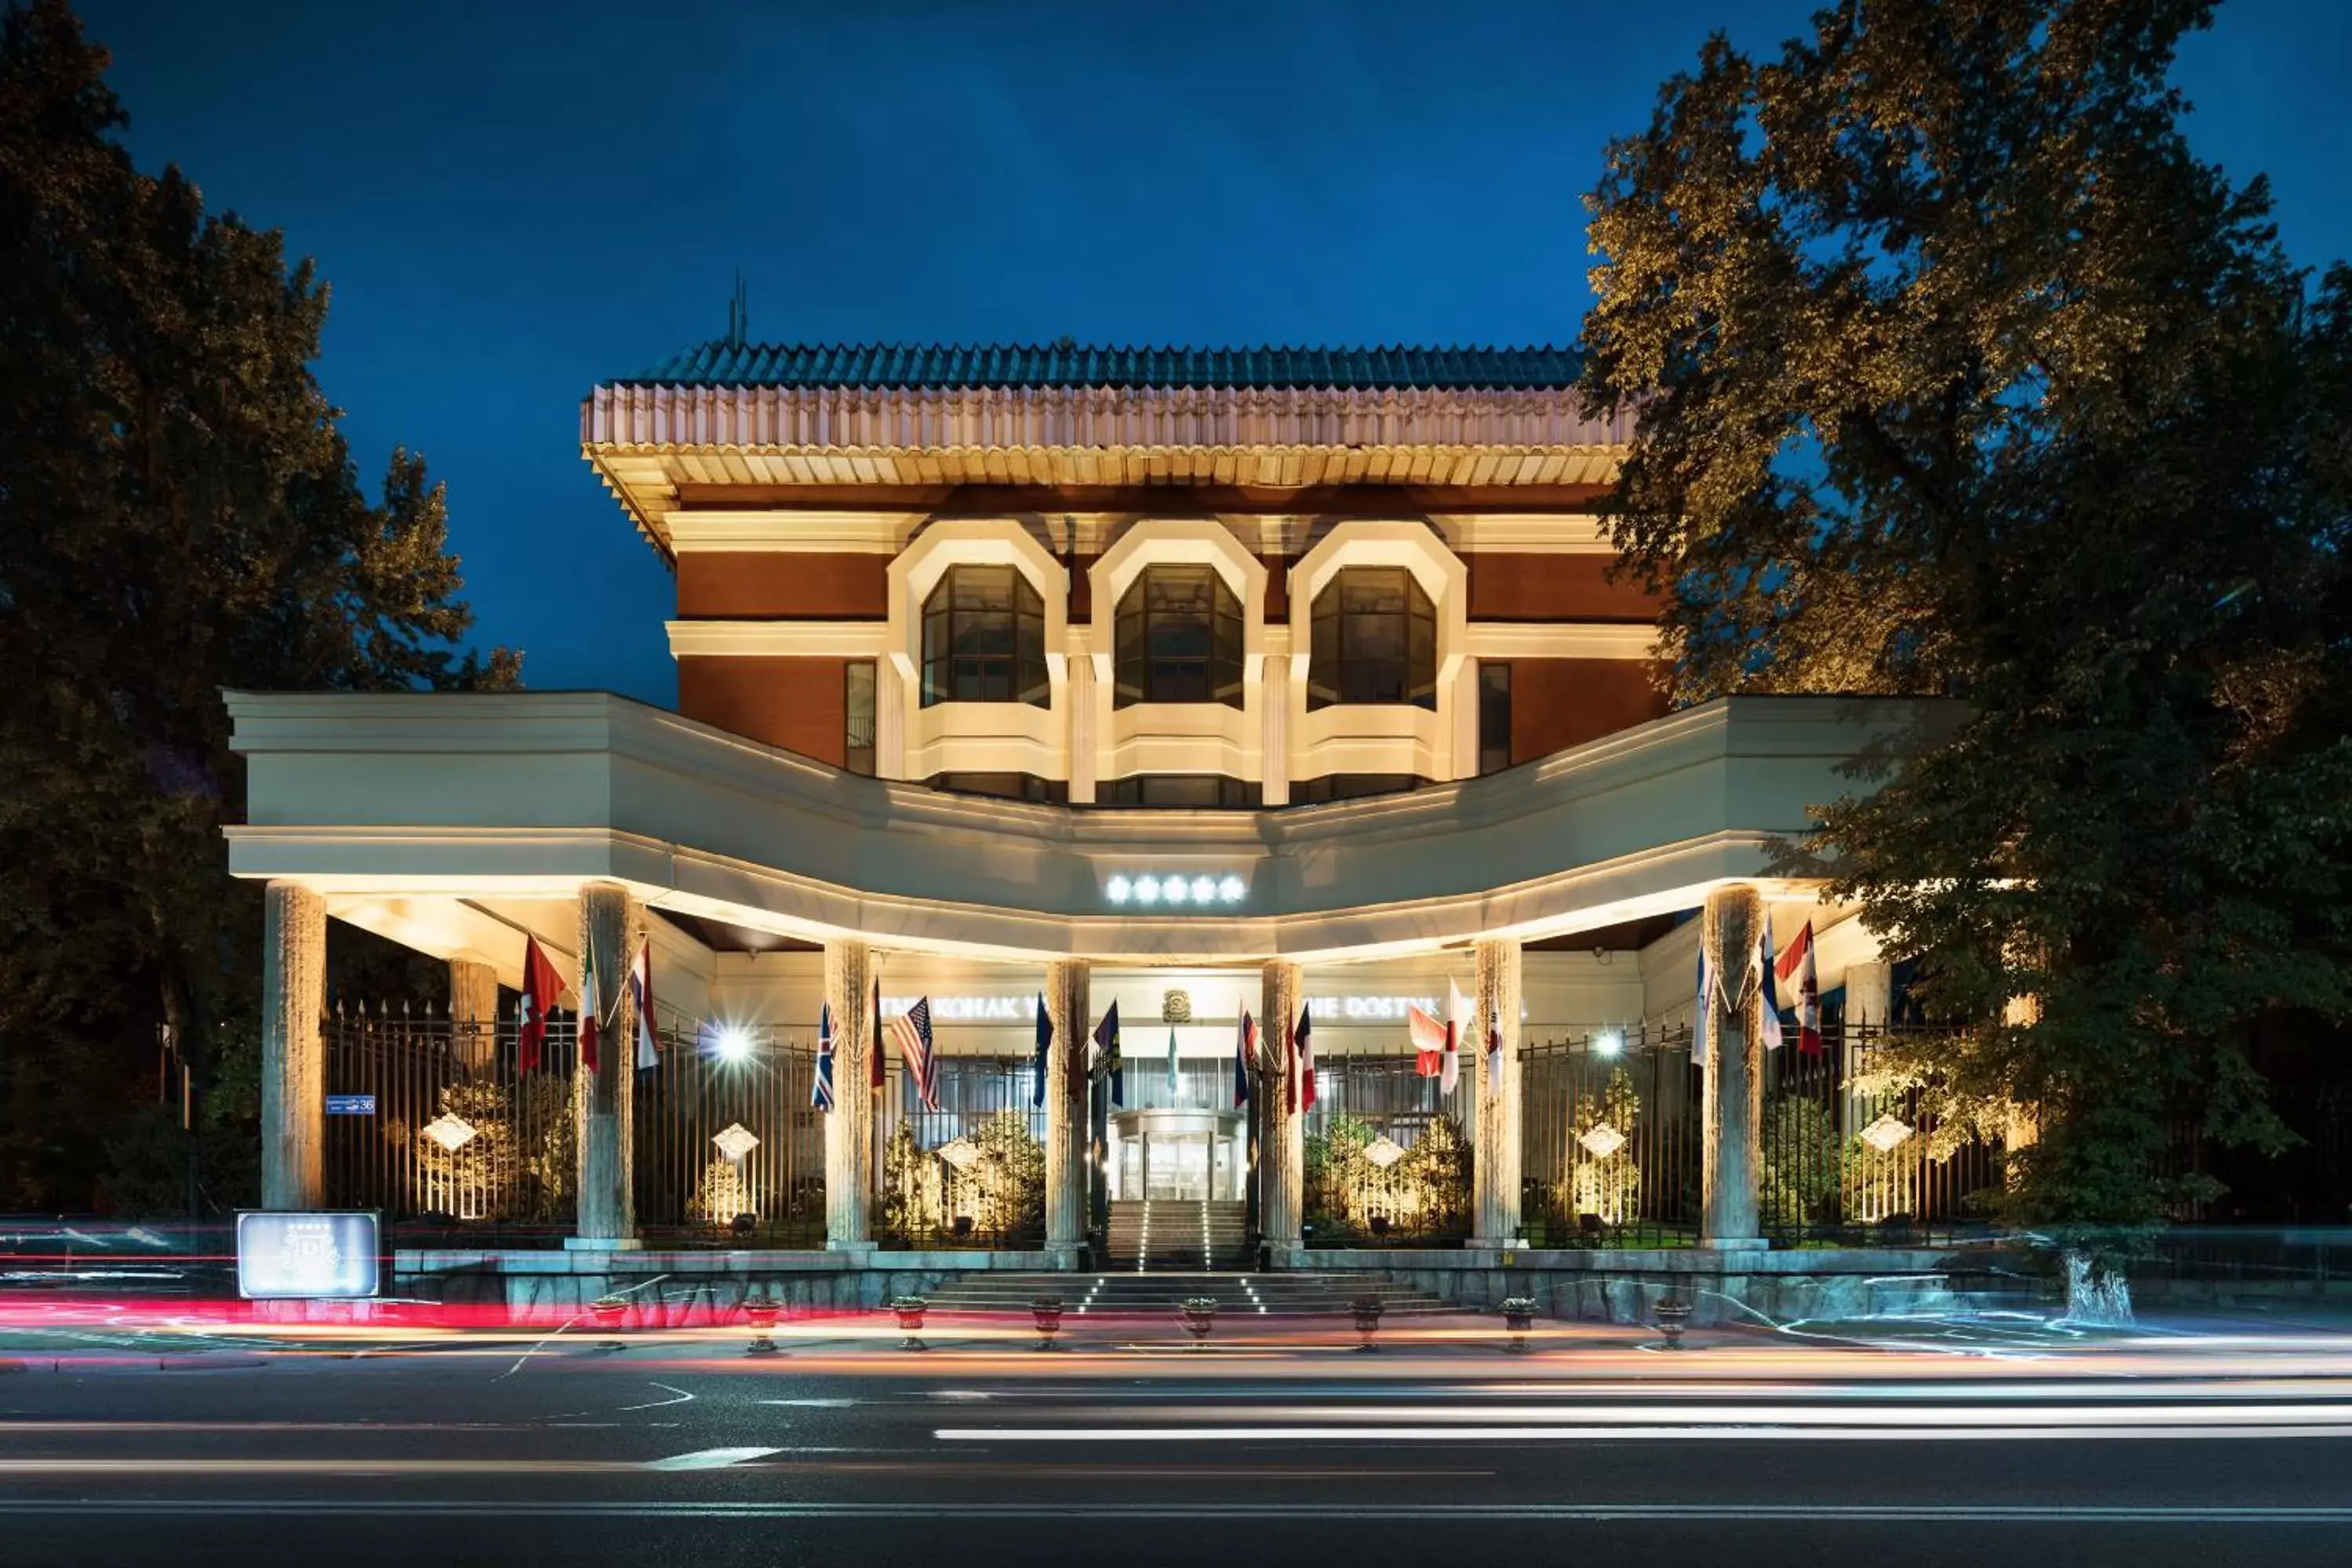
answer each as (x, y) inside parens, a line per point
(912, 1031)
(821, 1090)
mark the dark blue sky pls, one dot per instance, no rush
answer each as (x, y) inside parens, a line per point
(513, 200)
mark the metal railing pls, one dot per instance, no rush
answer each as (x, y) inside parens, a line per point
(1610, 1131)
(1388, 1157)
(989, 1192)
(696, 1175)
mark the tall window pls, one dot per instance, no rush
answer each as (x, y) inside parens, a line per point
(1177, 639)
(985, 640)
(857, 716)
(1494, 718)
(1375, 640)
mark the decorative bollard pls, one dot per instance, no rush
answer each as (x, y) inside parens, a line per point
(910, 1321)
(1519, 1316)
(608, 1311)
(1674, 1316)
(1366, 1310)
(762, 1314)
(1200, 1317)
(1047, 1312)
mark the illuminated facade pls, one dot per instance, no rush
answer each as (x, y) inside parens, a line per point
(1198, 681)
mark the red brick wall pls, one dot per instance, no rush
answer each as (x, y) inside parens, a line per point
(1557, 703)
(1508, 587)
(795, 703)
(781, 585)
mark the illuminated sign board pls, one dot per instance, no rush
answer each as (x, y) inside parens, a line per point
(284, 1255)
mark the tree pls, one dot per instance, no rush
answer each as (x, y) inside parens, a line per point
(178, 513)
(1958, 376)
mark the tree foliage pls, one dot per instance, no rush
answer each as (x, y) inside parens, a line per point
(179, 513)
(1958, 375)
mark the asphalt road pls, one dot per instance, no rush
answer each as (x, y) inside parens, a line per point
(689, 1453)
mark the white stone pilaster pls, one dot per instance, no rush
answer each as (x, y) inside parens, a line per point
(849, 1126)
(1496, 1155)
(1066, 1005)
(1273, 704)
(293, 1053)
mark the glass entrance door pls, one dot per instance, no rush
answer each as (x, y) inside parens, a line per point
(1178, 1169)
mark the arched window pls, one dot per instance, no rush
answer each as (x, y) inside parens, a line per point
(1375, 640)
(985, 640)
(1177, 639)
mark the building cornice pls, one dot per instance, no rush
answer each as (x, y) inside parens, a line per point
(520, 795)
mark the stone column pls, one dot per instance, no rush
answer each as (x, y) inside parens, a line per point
(1496, 1153)
(473, 1013)
(1732, 1092)
(1282, 1146)
(293, 1053)
(849, 1126)
(1066, 1003)
(1869, 1007)
(603, 1101)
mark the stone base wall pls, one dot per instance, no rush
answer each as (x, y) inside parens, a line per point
(1759, 1287)
(682, 1290)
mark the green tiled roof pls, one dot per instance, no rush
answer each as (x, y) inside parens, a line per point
(900, 366)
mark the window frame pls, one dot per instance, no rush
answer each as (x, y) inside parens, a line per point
(959, 623)
(1144, 673)
(1344, 670)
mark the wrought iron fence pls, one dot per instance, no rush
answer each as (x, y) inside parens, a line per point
(1388, 1158)
(433, 1122)
(727, 1142)
(971, 1174)
(1610, 1150)
(1851, 1154)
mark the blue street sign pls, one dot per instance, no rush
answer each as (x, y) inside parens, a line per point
(350, 1105)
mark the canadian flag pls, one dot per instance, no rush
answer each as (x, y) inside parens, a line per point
(1458, 1024)
(1428, 1042)
(541, 986)
(1799, 962)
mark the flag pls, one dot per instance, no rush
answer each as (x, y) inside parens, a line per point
(1759, 972)
(641, 996)
(591, 1003)
(821, 1087)
(1044, 1048)
(1703, 1015)
(1245, 1055)
(912, 1030)
(1428, 1042)
(1107, 1039)
(877, 1069)
(1304, 1041)
(1797, 962)
(541, 987)
(1175, 1079)
(1458, 1024)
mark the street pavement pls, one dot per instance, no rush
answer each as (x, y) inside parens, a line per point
(191, 1444)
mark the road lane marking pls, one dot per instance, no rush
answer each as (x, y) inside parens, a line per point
(709, 1458)
(1586, 1512)
(2183, 1431)
(813, 1403)
(1661, 1412)
(683, 1397)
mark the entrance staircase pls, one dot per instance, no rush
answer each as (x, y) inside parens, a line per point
(1178, 1234)
(1124, 1294)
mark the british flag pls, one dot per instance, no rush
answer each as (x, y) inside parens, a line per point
(821, 1089)
(912, 1031)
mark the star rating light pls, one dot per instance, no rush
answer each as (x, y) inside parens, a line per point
(1200, 889)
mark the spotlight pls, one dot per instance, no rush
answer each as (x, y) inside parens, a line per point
(1147, 889)
(734, 1042)
(1610, 1044)
(1231, 889)
(1117, 889)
